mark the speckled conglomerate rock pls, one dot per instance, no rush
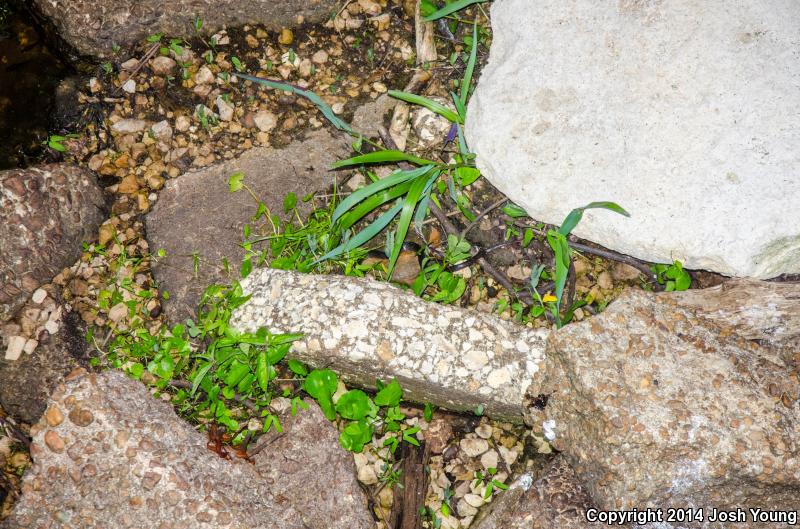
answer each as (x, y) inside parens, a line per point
(108, 455)
(659, 401)
(555, 500)
(367, 330)
(45, 214)
(92, 27)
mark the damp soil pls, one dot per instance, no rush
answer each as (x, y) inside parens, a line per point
(29, 75)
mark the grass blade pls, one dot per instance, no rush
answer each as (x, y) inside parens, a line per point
(576, 215)
(364, 235)
(473, 57)
(384, 156)
(409, 205)
(373, 202)
(450, 8)
(311, 96)
(384, 183)
(430, 104)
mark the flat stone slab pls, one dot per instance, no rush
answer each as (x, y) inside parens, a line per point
(196, 214)
(367, 330)
(684, 113)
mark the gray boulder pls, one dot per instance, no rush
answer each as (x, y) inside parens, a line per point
(663, 400)
(45, 214)
(92, 27)
(108, 454)
(197, 214)
(684, 113)
(366, 330)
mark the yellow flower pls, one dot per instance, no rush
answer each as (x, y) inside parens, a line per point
(549, 298)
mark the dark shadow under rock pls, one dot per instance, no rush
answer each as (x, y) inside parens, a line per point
(26, 383)
(197, 214)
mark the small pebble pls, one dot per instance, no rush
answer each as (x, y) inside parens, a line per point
(39, 296)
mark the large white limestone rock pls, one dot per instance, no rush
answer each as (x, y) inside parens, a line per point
(685, 112)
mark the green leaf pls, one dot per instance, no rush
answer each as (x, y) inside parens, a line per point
(451, 8)
(319, 381)
(371, 203)
(364, 235)
(390, 395)
(354, 405)
(430, 104)
(201, 374)
(467, 175)
(289, 202)
(247, 267)
(558, 242)
(576, 215)
(236, 372)
(412, 198)
(514, 211)
(235, 181)
(384, 156)
(297, 367)
(136, 370)
(393, 179)
(262, 370)
(355, 435)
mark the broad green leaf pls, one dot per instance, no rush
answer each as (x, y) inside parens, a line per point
(297, 367)
(355, 435)
(289, 202)
(467, 175)
(430, 104)
(320, 380)
(384, 156)
(136, 370)
(278, 353)
(354, 405)
(247, 267)
(458, 5)
(514, 211)
(390, 395)
(236, 372)
(235, 181)
(321, 384)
